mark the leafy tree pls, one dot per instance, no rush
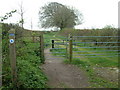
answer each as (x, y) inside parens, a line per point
(57, 15)
(7, 15)
(108, 27)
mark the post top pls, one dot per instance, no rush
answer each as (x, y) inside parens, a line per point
(12, 31)
(70, 36)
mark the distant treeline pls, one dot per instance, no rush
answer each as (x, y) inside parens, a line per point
(90, 32)
(94, 32)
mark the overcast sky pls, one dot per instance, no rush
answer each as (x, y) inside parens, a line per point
(97, 13)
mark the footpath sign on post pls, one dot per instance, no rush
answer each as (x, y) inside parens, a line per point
(12, 55)
(11, 41)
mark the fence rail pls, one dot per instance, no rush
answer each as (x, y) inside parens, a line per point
(100, 47)
(99, 51)
(88, 48)
(96, 56)
(95, 36)
(57, 48)
(94, 42)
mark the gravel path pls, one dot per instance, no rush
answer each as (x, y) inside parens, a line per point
(62, 75)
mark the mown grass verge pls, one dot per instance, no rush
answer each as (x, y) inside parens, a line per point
(94, 79)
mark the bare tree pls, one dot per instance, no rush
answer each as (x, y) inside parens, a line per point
(57, 15)
(31, 24)
(21, 12)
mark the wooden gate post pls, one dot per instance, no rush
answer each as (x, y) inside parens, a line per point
(12, 55)
(42, 48)
(33, 36)
(70, 48)
(0, 56)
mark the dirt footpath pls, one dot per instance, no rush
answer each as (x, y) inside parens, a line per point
(62, 75)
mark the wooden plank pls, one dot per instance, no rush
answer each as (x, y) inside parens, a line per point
(12, 55)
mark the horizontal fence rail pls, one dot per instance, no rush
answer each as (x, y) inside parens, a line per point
(57, 48)
(54, 58)
(99, 51)
(56, 52)
(95, 36)
(57, 44)
(100, 47)
(60, 40)
(94, 42)
(60, 43)
(98, 54)
(95, 56)
(60, 55)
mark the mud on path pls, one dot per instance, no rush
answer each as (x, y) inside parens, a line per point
(62, 75)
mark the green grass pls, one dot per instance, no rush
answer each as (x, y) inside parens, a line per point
(94, 79)
(28, 60)
(29, 73)
(102, 61)
(48, 37)
(88, 63)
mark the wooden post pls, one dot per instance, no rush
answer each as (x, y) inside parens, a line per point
(0, 56)
(42, 48)
(63, 41)
(12, 55)
(52, 43)
(33, 35)
(70, 48)
(67, 49)
(33, 39)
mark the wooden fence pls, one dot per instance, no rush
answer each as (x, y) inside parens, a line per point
(12, 53)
